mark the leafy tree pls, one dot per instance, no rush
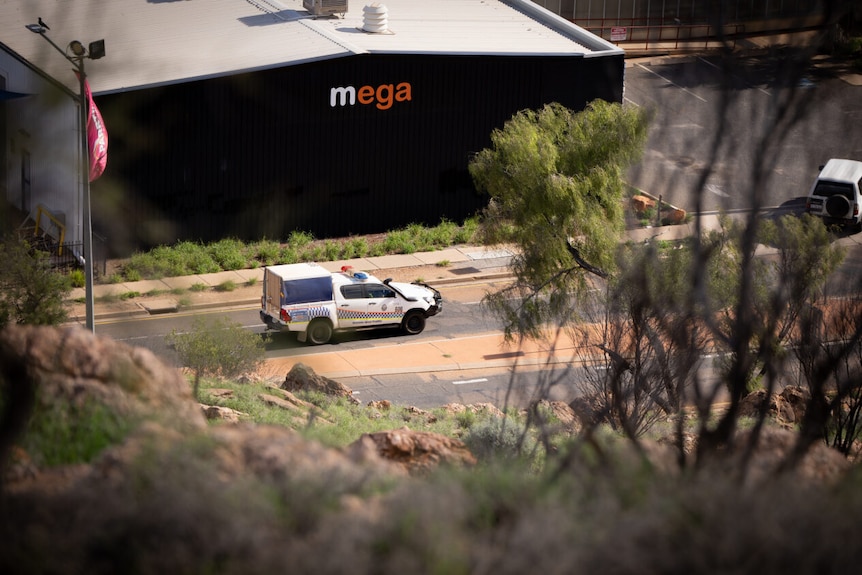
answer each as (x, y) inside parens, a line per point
(555, 178)
(217, 347)
(30, 291)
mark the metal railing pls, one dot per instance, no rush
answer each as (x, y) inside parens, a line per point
(634, 35)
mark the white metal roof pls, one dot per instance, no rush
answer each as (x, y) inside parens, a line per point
(839, 170)
(156, 42)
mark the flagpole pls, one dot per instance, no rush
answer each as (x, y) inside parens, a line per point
(89, 306)
(79, 53)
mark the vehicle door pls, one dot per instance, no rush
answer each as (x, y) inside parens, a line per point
(352, 307)
(383, 306)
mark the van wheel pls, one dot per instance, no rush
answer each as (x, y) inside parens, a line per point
(319, 331)
(414, 322)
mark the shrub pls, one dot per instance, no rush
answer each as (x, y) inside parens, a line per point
(229, 254)
(331, 250)
(266, 252)
(217, 347)
(77, 278)
(497, 438)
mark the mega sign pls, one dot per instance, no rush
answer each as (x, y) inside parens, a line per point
(382, 97)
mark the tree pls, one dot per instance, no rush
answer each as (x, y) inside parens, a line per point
(555, 178)
(31, 292)
(217, 347)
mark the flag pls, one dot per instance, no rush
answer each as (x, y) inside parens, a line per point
(97, 135)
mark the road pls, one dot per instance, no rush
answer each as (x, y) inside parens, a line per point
(687, 94)
(463, 316)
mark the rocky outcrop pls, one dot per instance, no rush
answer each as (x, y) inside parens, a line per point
(77, 367)
(303, 378)
(475, 408)
(786, 408)
(417, 452)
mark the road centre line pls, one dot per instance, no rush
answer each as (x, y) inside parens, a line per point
(687, 91)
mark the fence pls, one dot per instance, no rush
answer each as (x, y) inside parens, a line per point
(639, 35)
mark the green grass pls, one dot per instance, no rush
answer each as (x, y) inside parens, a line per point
(336, 422)
(189, 258)
(64, 433)
(227, 285)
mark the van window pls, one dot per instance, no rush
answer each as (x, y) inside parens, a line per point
(377, 290)
(828, 189)
(351, 291)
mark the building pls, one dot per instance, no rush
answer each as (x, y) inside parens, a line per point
(250, 119)
(40, 155)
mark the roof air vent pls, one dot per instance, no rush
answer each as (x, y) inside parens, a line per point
(375, 18)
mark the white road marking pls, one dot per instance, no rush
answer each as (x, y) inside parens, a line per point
(715, 189)
(480, 380)
(689, 92)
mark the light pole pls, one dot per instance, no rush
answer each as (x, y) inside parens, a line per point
(78, 54)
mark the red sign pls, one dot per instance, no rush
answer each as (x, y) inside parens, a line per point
(619, 34)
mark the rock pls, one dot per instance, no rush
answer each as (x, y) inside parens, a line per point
(302, 378)
(417, 451)
(820, 464)
(274, 401)
(589, 409)
(674, 216)
(75, 366)
(411, 412)
(477, 408)
(382, 405)
(217, 412)
(641, 204)
(786, 408)
(563, 413)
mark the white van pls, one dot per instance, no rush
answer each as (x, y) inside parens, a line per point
(835, 196)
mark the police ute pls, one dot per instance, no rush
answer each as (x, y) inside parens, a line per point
(314, 302)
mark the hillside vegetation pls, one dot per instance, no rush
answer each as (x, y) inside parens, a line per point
(117, 470)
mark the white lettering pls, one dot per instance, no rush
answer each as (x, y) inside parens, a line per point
(347, 96)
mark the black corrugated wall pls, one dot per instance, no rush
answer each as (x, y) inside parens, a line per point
(265, 153)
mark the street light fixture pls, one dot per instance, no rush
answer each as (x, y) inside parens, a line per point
(78, 54)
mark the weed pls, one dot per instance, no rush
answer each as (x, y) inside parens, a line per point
(227, 285)
(443, 263)
(108, 298)
(76, 278)
(129, 295)
(198, 287)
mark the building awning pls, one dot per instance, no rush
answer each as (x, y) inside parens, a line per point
(7, 95)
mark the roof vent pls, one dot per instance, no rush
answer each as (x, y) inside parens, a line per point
(375, 18)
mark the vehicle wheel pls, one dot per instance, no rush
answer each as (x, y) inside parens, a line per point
(837, 206)
(319, 331)
(414, 322)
